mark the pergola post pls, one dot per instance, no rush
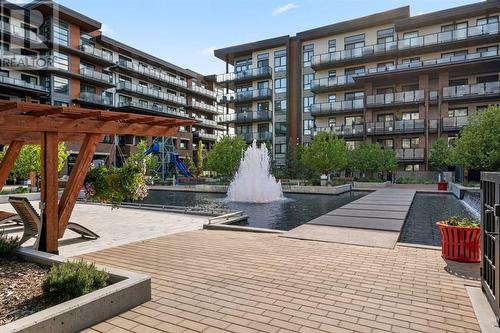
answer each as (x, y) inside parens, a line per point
(8, 160)
(76, 179)
(49, 192)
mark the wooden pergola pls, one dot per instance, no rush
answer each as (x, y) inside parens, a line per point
(46, 125)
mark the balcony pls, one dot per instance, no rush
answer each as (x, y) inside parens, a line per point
(472, 91)
(396, 99)
(395, 127)
(454, 123)
(345, 131)
(205, 136)
(333, 84)
(20, 32)
(410, 154)
(203, 91)
(346, 57)
(433, 125)
(209, 123)
(203, 107)
(153, 109)
(142, 91)
(245, 75)
(96, 77)
(247, 96)
(258, 136)
(326, 109)
(152, 73)
(22, 86)
(90, 52)
(94, 99)
(246, 117)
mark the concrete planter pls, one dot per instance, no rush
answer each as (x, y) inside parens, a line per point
(127, 291)
(35, 196)
(317, 189)
(371, 185)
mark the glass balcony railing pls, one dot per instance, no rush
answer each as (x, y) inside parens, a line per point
(449, 36)
(433, 125)
(96, 52)
(96, 99)
(410, 154)
(152, 93)
(245, 75)
(485, 89)
(342, 130)
(325, 84)
(203, 106)
(21, 32)
(248, 95)
(415, 65)
(96, 75)
(22, 83)
(204, 135)
(405, 97)
(319, 109)
(152, 73)
(397, 126)
(203, 91)
(454, 123)
(209, 123)
(259, 136)
(242, 117)
(154, 107)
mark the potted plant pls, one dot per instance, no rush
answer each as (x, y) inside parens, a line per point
(460, 239)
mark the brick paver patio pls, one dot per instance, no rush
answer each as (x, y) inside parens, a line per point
(222, 281)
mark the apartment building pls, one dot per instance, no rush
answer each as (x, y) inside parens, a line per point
(389, 78)
(54, 55)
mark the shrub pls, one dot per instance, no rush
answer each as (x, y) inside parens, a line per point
(8, 245)
(17, 190)
(413, 180)
(465, 222)
(369, 180)
(73, 279)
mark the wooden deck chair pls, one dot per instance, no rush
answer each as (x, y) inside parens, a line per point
(33, 225)
(8, 217)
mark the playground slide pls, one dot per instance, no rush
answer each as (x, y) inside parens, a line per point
(174, 158)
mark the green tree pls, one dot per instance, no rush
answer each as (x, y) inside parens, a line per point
(439, 158)
(388, 161)
(366, 158)
(188, 162)
(325, 155)
(478, 144)
(224, 157)
(200, 157)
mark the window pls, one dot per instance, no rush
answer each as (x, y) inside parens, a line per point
(410, 116)
(456, 26)
(412, 167)
(28, 78)
(263, 128)
(351, 145)
(458, 82)
(410, 34)
(353, 120)
(263, 85)
(87, 67)
(332, 74)
(451, 141)
(308, 101)
(124, 100)
(183, 144)
(280, 148)
(385, 117)
(487, 20)
(307, 80)
(280, 61)
(60, 103)
(386, 90)
(409, 87)
(332, 45)
(87, 89)
(280, 85)
(353, 42)
(384, 65)
(280, 106)
(308, 52)
(61, 61)
(263, 60)
(243, 129)
(408, 143)
(107, 54)
(332, 121)
(308, 126)
(481, 108)
(61, 85)
(263, 106)
(354, 71)
(411, 60)
(5, 73)
(332, 98)
(61, 33)
(352, 95)
(458, 112)
(386, 143)
(493, 48)
(143, 103)
(385, 36)
(280, 128)
(242, 65)
(122, 78)
(487, 78)
(454, 54)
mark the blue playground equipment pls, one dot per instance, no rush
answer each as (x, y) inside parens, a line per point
(170, 161)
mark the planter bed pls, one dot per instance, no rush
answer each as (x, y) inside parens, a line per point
(126, 290)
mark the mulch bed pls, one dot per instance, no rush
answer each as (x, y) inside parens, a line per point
(20, 289)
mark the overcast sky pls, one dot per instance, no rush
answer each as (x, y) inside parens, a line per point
(185, 32)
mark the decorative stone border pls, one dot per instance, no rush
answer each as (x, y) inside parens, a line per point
(127, 291)
(358, 185)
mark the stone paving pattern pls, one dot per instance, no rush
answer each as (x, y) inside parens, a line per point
(223, 281)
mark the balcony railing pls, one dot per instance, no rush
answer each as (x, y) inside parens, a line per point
(449, 36)
(245, 117)
(203, 91)
(152, 73)
(433, 125)
(203, 106)
(152, 93)
(244, 96)
(245, 75)
(415, 65)
(319, 109)
(106, 78)
(96, 52)
(454, 123)
(485, 89)
(410, 154)
(259, 136)
(342, 130)
(154, 108)
(326, 84)
(209, 123)
(397, 126)
(96, 99)
(206, 136)
(21, 32)
(22, 83)
(405, 97)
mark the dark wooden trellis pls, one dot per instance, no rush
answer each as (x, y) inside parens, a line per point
(490, 239)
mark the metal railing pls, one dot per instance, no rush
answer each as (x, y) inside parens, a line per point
(356, 53)
(410, 154)
(22, 83)
(203, 91)
(96, 99)
(96, 52)
(247, 74)
(342, 130)
(333, 82)
(397, 126)
(318, 109)
(259, 136)
(241, 117)
(96, 75)
(203, 106)
(454, 123)
(206, 136)
(209, 123)
(415, 96)
(21, 32)
(124, 85)
(155, 108)
(249, 95)
(472, 90)
(153, 73)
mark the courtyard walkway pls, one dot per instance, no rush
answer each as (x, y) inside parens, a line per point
(223, 281)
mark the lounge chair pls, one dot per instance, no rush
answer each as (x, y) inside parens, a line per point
(8, 217)
(33, 224)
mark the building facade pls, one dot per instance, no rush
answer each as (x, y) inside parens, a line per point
(54, 55)
(388, 78)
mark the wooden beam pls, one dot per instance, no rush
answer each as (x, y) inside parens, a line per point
(8, 160)
(8, 106)
(46, 112)
(76, 179)
(33, 138)
(48, 195)
(92, 114)
(114, 117)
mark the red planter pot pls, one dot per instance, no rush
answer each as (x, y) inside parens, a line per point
(460, 244)
(442, 186)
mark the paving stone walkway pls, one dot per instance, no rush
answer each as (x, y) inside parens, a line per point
(223, 281)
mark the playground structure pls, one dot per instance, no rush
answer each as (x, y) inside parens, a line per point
(170, 161)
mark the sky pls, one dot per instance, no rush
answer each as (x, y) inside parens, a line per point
(185, 32)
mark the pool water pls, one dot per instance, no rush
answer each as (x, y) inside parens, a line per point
(295, 210)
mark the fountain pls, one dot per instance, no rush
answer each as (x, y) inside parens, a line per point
(472, 200)
(253, 182)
